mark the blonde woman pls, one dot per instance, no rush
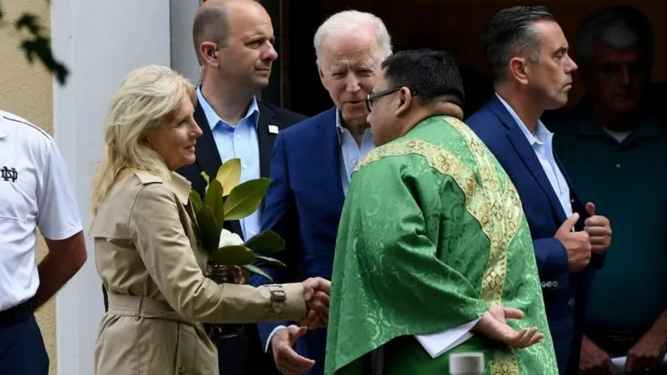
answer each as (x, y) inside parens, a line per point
(146, 242)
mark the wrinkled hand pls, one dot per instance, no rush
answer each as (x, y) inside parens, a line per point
(577, 244)
(493, 324)
(288, 361)
(598, 229)
(595, 361)
(648, 353)
(316, 291)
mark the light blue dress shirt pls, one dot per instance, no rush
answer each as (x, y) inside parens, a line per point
(241, 142)
(351, 153)
(542, 144)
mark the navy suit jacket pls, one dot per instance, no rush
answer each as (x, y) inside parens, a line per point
(565, 293)
(241, 355)
(303, 205)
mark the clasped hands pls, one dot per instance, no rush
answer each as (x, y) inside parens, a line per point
(595, 238)
(316, 293)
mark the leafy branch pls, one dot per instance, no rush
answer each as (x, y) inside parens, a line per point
(38, 46)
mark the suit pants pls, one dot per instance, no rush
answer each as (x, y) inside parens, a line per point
(244, 355)
(22, 350)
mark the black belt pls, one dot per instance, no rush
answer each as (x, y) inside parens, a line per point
(16, 314)
(616, 343)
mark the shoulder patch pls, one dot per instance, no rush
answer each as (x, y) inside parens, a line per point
(147, 178)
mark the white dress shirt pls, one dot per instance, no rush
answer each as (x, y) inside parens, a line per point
(238, 141)
(541, 142)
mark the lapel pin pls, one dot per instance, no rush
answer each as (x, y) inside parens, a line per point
(273, 129)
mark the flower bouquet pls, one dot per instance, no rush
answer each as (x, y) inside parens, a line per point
(226, 199)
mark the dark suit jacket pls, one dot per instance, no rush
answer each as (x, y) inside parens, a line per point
(565, 294)
(208, 157)
(304, 205)
(242, 355)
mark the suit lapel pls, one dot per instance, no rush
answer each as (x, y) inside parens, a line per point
(208, 157)
(266, 138)
(518, 140)
(331, 158)
(577, 205)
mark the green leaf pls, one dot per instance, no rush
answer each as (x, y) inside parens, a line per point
(229, 175)
(209, 227)
(30, 22)
(245, 198)
(205, 177)
(271, 261)
(266, 242)
(233, 255)
(213, 199)
(195, 200)
(257, 270)
(38, 46)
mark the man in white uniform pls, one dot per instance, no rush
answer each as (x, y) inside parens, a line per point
(35, 191)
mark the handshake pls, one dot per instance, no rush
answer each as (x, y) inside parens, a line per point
(316, 291)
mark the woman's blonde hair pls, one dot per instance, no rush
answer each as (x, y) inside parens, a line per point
(143, 99)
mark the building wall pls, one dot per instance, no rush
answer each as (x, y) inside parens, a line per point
(27, 91)
(99, 51)
(101, 42)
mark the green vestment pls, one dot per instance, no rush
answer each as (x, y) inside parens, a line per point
(432, 233)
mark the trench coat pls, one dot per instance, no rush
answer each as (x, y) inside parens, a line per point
(147, 254)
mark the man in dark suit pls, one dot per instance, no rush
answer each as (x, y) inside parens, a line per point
(311, 169)
(234, 44)
(527, 54)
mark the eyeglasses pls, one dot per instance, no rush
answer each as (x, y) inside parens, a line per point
(370, 98)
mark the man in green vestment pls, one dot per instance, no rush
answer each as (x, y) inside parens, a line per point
(432, 238)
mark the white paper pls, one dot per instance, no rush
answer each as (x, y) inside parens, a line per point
(619, 362)
(438, 343)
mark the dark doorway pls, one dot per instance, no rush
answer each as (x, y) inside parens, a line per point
(453, 25)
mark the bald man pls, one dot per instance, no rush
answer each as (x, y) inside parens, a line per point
(234, 40)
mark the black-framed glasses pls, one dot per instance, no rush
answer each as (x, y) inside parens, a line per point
(370, 98)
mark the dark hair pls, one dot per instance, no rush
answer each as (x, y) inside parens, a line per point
(431, 75)
(511, 34)
(210, 25)
(618, 27)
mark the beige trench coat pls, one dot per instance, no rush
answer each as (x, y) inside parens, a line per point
(147, 256)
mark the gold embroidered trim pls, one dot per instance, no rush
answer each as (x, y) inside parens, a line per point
(494, 204)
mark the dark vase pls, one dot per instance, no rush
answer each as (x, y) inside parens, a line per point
(222, 274)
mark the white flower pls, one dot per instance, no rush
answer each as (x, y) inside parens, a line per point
(228, 238)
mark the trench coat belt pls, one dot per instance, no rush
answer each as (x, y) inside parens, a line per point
(142, 307)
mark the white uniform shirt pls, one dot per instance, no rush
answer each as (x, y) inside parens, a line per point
(35, 191)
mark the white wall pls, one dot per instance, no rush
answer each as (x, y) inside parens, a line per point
(183, 58)
(100, 41)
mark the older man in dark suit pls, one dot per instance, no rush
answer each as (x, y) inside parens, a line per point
(311, 169)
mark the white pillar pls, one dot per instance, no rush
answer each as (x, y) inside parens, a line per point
(100, 41)
(183, 58)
